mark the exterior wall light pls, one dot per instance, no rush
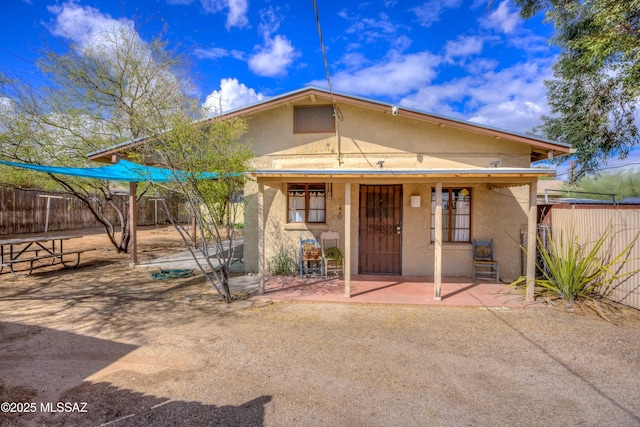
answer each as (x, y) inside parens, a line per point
(415, 201)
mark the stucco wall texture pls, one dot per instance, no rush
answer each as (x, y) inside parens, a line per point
(363, 137)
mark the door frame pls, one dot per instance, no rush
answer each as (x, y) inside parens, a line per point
(391, 230)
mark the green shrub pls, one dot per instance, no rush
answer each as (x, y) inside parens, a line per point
(579, 274)
(284, 263)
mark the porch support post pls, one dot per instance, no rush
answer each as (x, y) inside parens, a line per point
(347, 239)
(261, 237)
(437, 263)
(532, 240)
(133, 224)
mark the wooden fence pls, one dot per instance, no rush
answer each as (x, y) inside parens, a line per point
(590, 222)
(29, 211)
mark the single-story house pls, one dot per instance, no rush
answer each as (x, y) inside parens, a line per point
(408, 191)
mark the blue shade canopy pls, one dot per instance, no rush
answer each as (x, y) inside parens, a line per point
(122, 171)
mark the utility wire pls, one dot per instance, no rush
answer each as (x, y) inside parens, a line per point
(603, 168)
(336, 111)
(324, 53)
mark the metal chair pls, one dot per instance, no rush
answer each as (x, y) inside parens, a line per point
(310, 258)
(484, 266)
(332, 258)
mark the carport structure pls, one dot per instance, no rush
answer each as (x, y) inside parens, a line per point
(122, 171)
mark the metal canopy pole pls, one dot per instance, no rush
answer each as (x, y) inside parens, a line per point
(133, 224)
(46, 220)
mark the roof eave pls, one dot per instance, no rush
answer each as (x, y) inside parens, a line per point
(406, 173)
(556, 148)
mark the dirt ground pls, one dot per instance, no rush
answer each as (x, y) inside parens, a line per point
(108, 345)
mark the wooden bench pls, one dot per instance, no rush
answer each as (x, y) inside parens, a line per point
(31, 260)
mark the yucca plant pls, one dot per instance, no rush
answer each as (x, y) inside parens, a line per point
(579, 275)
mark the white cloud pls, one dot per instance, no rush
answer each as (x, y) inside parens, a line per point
(270, 19)
(276, 53)
(513, 98)
(370, 30)
(396, 75)
(273, 58)
(430, 11)
(237, 16)
(517, 115)
(502, 19)
(232, 95)
(374, 30)
(480, 65)
(237, 11)
(211, 53)
(529, 43)
(7, 111)
(84, 25)
(353, 61)
(218, 52)
(463, 47)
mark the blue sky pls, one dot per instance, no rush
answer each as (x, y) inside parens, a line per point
(475, 60)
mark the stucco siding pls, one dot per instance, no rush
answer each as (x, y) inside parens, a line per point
(497, 213)
(501, 215)
(278, 233)
(365, 137)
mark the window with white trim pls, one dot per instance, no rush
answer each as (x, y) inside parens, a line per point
(306, 202)
(456, 214)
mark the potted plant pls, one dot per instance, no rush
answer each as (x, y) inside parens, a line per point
(333, 253)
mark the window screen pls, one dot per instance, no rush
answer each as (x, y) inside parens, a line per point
(313, 119)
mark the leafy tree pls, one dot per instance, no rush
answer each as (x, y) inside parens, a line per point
(595, 91)
(111, 88)
(115, 88)
(623, 184)
(209, 172)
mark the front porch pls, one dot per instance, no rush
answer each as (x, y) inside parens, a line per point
(455, 291)
(388, 233)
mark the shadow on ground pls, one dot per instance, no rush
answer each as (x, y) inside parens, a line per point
(42, 363)
(41, 367)
(102, 404)
(108, 299)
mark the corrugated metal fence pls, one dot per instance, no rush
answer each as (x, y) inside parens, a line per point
(25, 211)
(589, 223)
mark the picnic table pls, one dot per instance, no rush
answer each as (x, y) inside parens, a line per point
(37, 251)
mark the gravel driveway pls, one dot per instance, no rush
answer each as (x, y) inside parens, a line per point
(108, 346)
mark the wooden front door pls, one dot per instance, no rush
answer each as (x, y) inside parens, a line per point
(380, 229)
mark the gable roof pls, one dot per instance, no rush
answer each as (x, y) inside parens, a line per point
(541, 148)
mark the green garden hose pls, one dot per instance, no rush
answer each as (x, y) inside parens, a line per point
(172, 274)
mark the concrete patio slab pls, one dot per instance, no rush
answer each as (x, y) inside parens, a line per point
(457, 291)
(185, 260)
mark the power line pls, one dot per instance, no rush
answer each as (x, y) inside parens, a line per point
(324, 53)
(603, 168)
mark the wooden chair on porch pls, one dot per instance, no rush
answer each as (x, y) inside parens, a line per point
(484, 266)
(310, 258)
(332, 258)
